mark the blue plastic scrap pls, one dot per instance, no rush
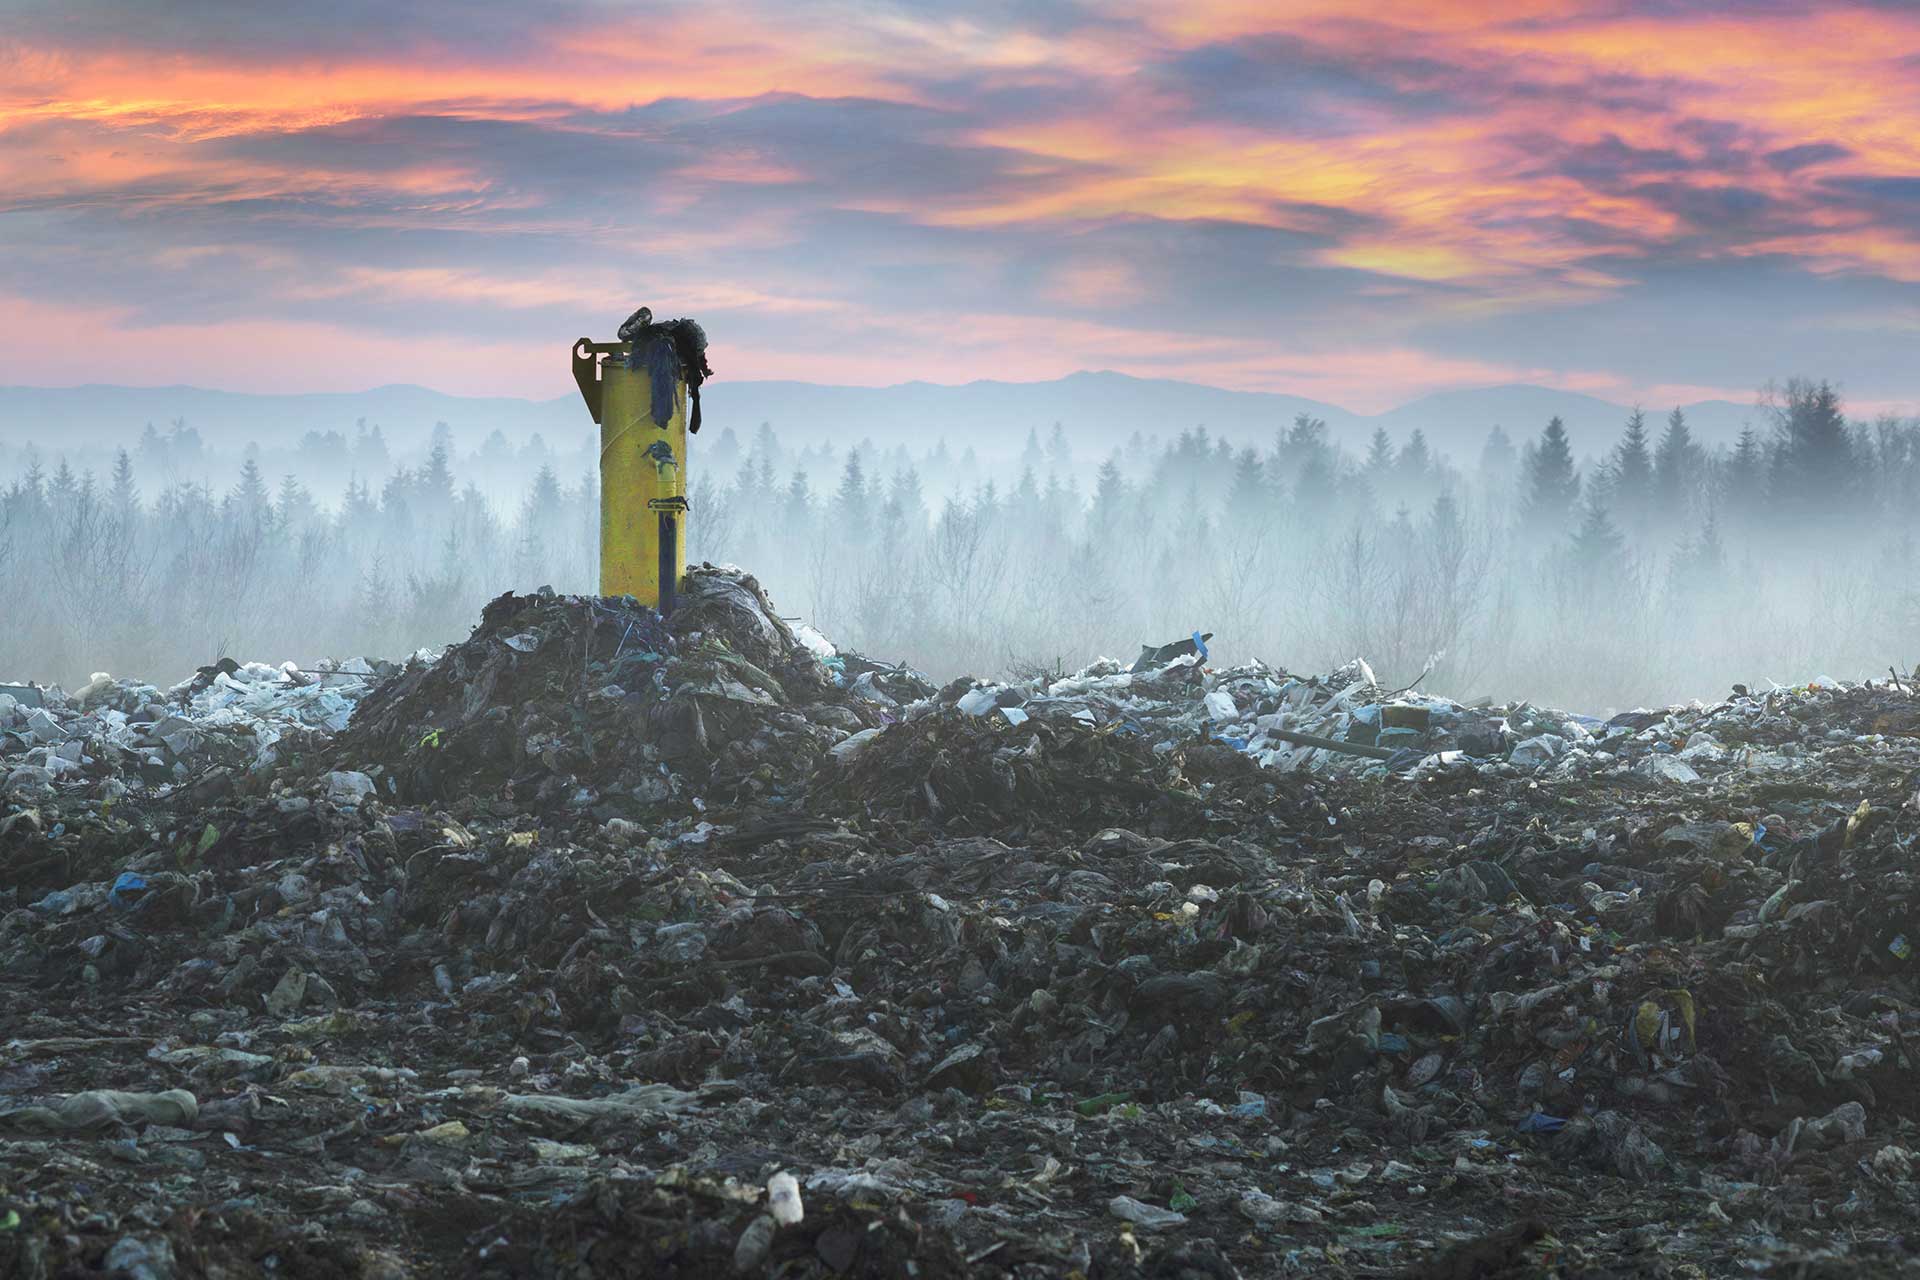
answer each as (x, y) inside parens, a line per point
(128, 883)
(1540, 1122)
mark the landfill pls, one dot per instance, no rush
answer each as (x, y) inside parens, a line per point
(602, 944)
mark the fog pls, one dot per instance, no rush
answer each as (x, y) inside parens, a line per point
(1662, 569)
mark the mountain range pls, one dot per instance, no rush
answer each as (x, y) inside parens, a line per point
(1099, 412)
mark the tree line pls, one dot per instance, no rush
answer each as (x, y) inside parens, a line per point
(1662, 569)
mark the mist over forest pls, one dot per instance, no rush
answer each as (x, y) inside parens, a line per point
(1663, 568)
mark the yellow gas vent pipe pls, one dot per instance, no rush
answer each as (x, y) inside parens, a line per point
(643, 472)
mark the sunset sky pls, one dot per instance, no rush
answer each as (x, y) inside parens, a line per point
(1361, 202)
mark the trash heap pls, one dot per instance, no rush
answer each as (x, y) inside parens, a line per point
(113, 733)
(597, 946)
(1345, 722)
(600, 705)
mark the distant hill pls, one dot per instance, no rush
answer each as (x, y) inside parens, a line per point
(1094, 407)
(1100, 411)
(111, 415)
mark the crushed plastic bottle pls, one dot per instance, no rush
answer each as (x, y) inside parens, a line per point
(783, 1199)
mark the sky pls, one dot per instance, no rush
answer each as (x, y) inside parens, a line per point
(1360, 202)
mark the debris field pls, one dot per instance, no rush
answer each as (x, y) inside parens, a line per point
(606, 945)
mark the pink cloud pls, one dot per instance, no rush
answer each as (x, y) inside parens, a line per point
(803, 183)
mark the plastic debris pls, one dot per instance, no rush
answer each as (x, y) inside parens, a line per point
(783, 1199)
(99, 1108)
(1147, 1216)
(601, 943)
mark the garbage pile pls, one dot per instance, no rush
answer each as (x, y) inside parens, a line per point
(1346, 722)
(123, 731)
(600, 945)
(570, 702)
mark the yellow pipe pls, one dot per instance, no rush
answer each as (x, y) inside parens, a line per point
(643, 485)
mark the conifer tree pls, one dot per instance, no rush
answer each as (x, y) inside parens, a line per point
(1677, 468)
(766, 443)
(798, 504)
(1699, 567)
(1633, 475)
(544, 500)
(1744, 483)
(852, 510)
(250, 496)
(1109, 501)
(1413, 469)
(125, 494)
(1599, 548)
(1550, 488)
(1248, 499)
(1379, 462)
(904, 492)
(1033, 456)
(1374, 479)
(1498, 462)
(1813, 453)
(1059, 452)
(436, 478)
(294, 507)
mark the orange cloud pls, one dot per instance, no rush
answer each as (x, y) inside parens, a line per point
(67, 345)
(1449, 168)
